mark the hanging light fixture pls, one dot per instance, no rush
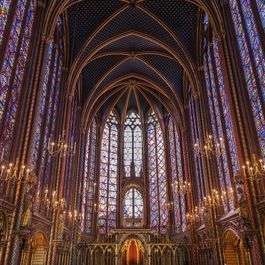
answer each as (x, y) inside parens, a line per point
(209, 147)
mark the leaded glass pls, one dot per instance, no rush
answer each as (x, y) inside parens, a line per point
(157, 176)
(14, 65)
(89, 179)
(108, 176)
(177, 177)
(133, 145)
(4, 4)
(133, 208)
(255, 99)
(261, 8)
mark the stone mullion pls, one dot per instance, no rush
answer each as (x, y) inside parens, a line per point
(97, 176)
(169, 178)
(202, 132)
(120, 174)
(8, 27)
(84, 145)
(191, 160)
(76, 202)
(90, 130)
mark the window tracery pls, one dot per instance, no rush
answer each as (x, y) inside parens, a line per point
(108, 176)
(177, 175)
(89, 184)
(157, 175)
(133, 208)
(133, 145)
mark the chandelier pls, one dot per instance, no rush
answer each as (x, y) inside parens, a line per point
(181, 187)
(216, 199)
(254, 170)
(193, 216)
(61, 148)
(14, 173)
(209, 147)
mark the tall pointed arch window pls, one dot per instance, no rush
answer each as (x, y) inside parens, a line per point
(252, 58)
(195, 134)
(89, 184)
(177, 175)
(15, 43)
(157, 175)
(108, 176)
(220, 116)
(133, 208)
(45, 124)
(133, 145)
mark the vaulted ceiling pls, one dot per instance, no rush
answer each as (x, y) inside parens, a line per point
(113, 42)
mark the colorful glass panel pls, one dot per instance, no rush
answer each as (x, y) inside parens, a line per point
(261, 8)
(12, 72)
(108, 176)
(133, 208)
(88, 192)
(177, 177)
(157, 176)
(248, 65)
(133, 145)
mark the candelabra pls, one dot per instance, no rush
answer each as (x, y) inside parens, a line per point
(255, 170)
(61, 148)
(12, 172)
(193, 216)
(216, 199)
(182, 187)
(209, 148)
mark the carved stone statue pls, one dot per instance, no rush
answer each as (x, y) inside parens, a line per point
(61, 225)
(243, 211)
(27, 214)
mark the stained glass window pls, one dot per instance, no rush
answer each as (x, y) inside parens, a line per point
(108, 176)
(261, 8)
(89, 183)
(133, 208)
(133, 145)
(252, 58)
(157, 175)
(176, 160)
(16, 50)
(200, 181)
(227, 162)
(47, 115)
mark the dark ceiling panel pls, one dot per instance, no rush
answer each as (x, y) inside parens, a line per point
(85, 17)
(133, 19)
(132, 43)
(96, 69)
(133, 66)
(170, 69)
(180, 16)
